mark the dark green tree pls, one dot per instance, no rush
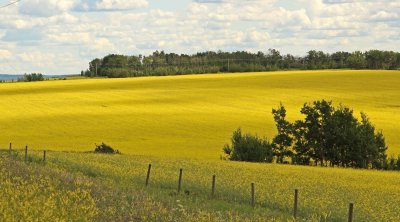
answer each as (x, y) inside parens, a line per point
(316, 115)
(341, 138)
(302, 153)
(282, 142)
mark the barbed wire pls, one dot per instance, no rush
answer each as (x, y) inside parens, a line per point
(9, 4)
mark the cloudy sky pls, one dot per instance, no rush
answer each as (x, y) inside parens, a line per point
(62, 36)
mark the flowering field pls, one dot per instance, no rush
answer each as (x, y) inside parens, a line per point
(112, 187)
(184, 116)
(183, 122)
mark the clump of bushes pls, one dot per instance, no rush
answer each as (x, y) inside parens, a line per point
(104, 148)
(248, 147)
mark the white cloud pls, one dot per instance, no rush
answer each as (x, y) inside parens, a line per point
(102, 43)
(68, 37)
(35, 56)
(120, 4)
(80, 30)
(5, 54)
(283, 18)
(46, 7)
(384, 16)
(37, 61)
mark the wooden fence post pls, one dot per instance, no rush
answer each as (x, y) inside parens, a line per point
(9, 150)
(148, 175)
(296, 197)
(213, 186)
(351, 205)
(180, 180)
(26, 153)
(44, 155)
(253, 203)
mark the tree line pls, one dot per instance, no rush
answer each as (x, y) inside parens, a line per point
(327, 136)
(33, 77)
(161, 63)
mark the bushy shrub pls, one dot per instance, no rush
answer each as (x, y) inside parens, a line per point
(104, 148)
(248, 148)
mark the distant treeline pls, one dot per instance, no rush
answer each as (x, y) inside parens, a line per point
(33, 77)
(161, 63)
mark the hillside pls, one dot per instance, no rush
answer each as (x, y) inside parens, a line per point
(95, 187)
(184, 116)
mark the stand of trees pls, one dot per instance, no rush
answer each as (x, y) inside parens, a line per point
(32, 77)
(161, 63)
(327, 136)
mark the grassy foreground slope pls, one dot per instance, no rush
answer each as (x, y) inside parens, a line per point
(93, 187)
(184, 116)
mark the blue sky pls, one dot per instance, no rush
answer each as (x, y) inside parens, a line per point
(62, 36)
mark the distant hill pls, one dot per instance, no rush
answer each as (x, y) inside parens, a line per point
(9, 77)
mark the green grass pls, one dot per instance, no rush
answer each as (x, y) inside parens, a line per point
(115, 184)
(184, 116)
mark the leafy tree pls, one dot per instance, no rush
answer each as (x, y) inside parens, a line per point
(316, 114)
(372, 144)
(95, 68)
(341, 138)
(302, 153)
(274, 59)
(282, 142)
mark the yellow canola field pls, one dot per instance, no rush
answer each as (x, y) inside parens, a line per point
(184, 116)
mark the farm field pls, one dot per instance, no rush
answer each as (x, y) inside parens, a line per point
(182, 122)
(184, 116)
(95, 187)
